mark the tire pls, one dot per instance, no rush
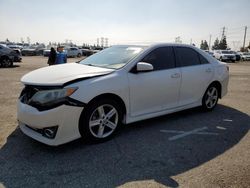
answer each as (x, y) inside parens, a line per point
(6, 62)
(233, 61)
(100, 120)
(79, 55)
(210, 98)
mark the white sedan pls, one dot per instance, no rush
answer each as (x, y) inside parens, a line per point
(119, 85)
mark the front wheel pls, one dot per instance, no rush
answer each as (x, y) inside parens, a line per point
(210, 98)
(6, 62)
(101, 120)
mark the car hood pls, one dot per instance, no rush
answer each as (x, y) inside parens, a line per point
(58, 75)
(28, 49)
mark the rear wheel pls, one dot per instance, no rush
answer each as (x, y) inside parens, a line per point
(101, 120)
(79, 55)
(210, 98)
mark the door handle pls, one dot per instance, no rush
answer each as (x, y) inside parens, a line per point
(176, 75)
(208, 70)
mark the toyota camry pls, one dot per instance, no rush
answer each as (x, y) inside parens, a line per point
(119, 85)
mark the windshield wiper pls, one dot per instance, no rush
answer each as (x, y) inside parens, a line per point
(89, 65)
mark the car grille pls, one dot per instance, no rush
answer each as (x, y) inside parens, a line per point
(229, 56)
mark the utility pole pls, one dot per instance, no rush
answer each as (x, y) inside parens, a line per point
(97, 40)
(223, 32)
(244, 42)
(191, 41)
(209, 46)
(102, 42)
(106, 42)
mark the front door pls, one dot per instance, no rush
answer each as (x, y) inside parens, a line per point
(156, 90)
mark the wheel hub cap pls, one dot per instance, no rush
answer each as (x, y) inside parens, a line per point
(103, 121)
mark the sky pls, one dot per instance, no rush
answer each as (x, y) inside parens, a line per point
(124, 21)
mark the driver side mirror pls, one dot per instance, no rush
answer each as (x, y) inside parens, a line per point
(144, 67)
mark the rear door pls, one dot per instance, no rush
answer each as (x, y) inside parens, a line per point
(156, 90)
(196, 73)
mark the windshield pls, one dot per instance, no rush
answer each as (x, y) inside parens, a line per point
(114, 57)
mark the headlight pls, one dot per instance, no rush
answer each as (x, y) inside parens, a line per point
(50, 97)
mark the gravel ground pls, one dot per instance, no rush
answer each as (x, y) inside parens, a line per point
(142, 154)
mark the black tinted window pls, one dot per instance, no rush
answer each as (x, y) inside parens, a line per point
(203, 60)
(161, 58)
(187, 56)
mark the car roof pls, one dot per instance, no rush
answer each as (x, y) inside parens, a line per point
(155, 45)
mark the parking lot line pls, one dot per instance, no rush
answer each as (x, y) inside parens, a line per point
(182, 134)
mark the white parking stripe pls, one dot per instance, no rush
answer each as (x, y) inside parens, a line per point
(182, 134)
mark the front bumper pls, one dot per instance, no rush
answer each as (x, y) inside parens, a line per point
(17, 59)
(246, 58)
(65, 117)
(229, 58)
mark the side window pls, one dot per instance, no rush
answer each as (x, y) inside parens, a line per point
(161, 58)
(187, 56)
(203, 60)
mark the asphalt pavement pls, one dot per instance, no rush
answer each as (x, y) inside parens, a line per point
(185, 149)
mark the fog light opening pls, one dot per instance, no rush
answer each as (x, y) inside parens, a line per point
(50, 132)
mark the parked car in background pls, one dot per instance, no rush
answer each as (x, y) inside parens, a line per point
(224, 55)
(86, 52)
(8, 56)
(237, 55)
(210, 52)
(29, 51)
(73, 52)
(46, 52)
(17, 49)
(33, 50)
(245, 56)
(120, 84)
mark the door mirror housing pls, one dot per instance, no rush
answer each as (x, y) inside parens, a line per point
(144, 67)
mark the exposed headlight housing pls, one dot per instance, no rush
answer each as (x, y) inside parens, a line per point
(51, 97)
(48, 97)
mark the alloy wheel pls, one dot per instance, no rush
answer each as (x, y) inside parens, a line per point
(211, 97)
(103, 121)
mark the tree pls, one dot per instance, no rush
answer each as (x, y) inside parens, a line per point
(204, 45)
(223, 43)
(216, 44)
